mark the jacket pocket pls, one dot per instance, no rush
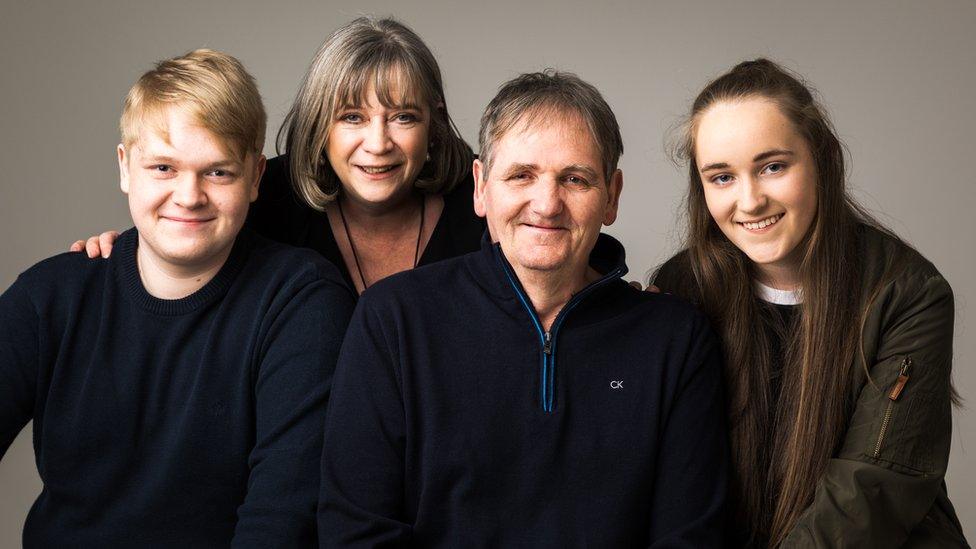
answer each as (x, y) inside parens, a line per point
(906, 434)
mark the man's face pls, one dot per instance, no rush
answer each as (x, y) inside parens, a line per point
(188, 194)
(546, 197)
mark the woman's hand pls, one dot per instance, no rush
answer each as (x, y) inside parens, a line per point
(98, 245)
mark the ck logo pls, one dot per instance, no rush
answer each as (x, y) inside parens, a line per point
(616, 384)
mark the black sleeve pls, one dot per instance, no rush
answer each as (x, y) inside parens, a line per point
(361, 503)
(692, 468)
(19, 356)
(291, 390)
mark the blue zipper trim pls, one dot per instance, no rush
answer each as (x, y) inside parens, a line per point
(548, 381)
(535, 322)
(560, 319)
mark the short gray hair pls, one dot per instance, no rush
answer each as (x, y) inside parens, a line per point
(389, 57)
(537, 96)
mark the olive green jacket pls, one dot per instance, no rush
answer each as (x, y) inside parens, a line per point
(885, 486)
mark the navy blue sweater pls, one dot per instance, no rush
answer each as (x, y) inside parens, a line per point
(456, 421)
(194, 422)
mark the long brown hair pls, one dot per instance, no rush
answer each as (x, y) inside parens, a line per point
(780, 448)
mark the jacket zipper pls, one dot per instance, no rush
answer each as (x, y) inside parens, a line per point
(548, 338)
(893, 395)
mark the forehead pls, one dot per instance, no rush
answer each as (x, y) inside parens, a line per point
(174, 131)
(393, 85)
(735, 129)
(553, 140)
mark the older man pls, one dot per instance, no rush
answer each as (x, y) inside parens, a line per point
(524, 394)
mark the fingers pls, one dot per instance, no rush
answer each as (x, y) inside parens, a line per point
(105, 242)
(92, 247)
(78, 246)
(653, 289)
(636, 285)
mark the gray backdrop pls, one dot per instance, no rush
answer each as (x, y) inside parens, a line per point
(897, 76)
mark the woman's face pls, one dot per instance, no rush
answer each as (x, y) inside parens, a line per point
(760, 183)
(377, 151)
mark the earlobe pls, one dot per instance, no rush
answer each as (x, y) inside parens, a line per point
(123, 169)
(477, 172)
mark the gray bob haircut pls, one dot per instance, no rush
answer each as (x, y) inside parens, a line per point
(540, 96)
(389, 58)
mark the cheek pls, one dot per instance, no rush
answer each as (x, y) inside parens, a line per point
(717, 204)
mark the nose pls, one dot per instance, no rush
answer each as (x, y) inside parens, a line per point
(547, 198)
(752, 196)
(377, 140)
(189, 193)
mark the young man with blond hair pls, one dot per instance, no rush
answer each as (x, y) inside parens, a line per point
(177, 388)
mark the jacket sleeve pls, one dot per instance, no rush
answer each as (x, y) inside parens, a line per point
(19, 358)
(292, 379)
(362, 503)
(692, 466)
(890, 468)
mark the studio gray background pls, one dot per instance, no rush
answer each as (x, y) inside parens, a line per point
(898, 79)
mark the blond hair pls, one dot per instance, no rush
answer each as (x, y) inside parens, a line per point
(368, 54)
(215, 90)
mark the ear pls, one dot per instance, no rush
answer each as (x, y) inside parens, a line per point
(123, 169)
(614, 187)
(258, 173)
(480, 183)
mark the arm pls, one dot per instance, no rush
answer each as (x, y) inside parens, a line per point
(19, 357)
(688, 505)
(892, 461)
(361, 504)
(291, 389)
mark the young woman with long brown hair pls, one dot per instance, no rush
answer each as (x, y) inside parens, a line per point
(837, 335)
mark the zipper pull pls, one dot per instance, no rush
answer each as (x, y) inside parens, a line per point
(547, 346)
(902, 379)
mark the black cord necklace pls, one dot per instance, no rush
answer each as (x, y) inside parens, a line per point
(352, 245)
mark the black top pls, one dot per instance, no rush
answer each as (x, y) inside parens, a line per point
(281, 214)
(456, 421)
(193, 422)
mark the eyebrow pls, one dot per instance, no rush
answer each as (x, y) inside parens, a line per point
(402, 106)
(163, 159)
(758, 158)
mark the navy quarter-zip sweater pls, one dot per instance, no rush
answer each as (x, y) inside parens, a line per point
(194, 422)
(456, 421)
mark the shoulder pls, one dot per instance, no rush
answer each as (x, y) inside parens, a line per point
(420, 287)
(271, 262)
(459, 210)
(62, 274)
(677, 277)
(276, 181)
(892, 267)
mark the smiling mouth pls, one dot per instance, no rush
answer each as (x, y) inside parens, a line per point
(374, 170)
(762, 223)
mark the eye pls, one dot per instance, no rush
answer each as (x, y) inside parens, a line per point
(518, 176)
(577, 181)
(722, 179)
(774, 168)
(351, 118)
(221, 174)
(161, 171)
(406, 118)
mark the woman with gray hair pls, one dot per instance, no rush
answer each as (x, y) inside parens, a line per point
(375, 175)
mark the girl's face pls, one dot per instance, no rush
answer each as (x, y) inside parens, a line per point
(378, 151)
(760, 183)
